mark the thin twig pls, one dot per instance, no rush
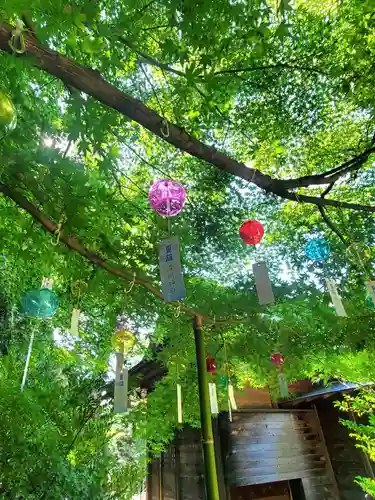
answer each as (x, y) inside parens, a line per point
(331, 225)
(143, 159)
(118, 182)
(141, 11)
(67, 148)
(270, 66)
(153, 90)
(323, 202)
(326, 219)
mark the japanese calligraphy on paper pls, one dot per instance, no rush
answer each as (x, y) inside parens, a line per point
(172, 280)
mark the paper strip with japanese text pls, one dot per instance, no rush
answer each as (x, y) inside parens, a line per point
(172, 280)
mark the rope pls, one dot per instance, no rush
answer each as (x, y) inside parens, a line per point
(17, 40)
(76, 289)
(178, 311)
(131, 284)
(164, 129)
(57, 233)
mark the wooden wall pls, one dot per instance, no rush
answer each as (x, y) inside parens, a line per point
(347, 460)
(277, 445)
(178, 474)
(249, 397)
(258, 447)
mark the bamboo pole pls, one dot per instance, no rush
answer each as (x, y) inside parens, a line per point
(210, 472)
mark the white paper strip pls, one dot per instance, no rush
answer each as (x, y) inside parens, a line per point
(370, 285)
(172, 280)
(232, 399)
(230, 411)
(335, 297)
(47, 283)
(74, 322)
(121, 385)
(284, 390)
(263, 284)
(27, 361)
(213, 398)
(179, 404)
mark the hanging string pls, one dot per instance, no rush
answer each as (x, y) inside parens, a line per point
(169, 227)
(164, 128)
(76, 288)
(178, 310)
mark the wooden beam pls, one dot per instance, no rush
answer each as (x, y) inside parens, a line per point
(92, 83)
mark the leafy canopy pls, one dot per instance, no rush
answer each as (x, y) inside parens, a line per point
(285, 87)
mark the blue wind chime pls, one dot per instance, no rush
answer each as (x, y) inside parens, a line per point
(41, 304)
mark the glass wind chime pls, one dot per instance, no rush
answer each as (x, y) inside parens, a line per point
(211, 367)
(123, 342)
(167, 198)
(40, 304)
(224, 382)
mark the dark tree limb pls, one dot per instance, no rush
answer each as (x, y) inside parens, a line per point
(150, 60)
(295, 67)
(93, 84)
(320, 202)
(331, 176)
(97, 260)
(327, 220)
(331, 225)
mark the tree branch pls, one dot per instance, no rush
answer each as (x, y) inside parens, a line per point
(270, 66)
(320, 202)
(75, 245)
(92, 83)
(150, 60)
(331, 176)
(96, 259)
(327, 220)
(331, 225)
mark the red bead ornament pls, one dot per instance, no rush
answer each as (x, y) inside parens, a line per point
(277, 358)
(211, 364)
(251, 232)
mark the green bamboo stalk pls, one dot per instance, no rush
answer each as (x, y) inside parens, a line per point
(210, 472)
